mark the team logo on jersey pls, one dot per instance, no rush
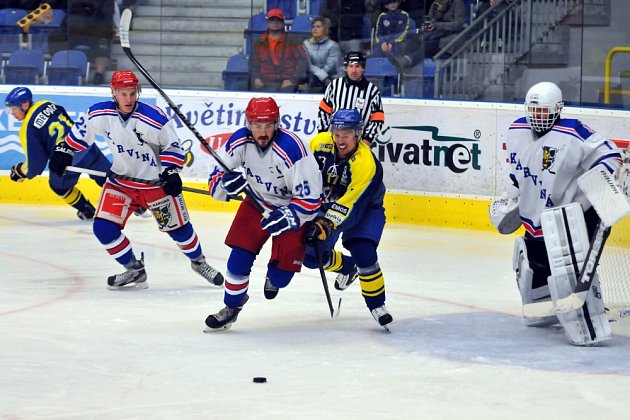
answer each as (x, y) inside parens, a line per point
(359, 103)
(139, 136)
(549, 158)
(162, 215)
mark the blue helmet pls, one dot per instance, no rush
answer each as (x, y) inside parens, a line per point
(18, 96)
(346, 119)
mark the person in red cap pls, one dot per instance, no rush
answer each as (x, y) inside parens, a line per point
(146, 160)
(278, 62)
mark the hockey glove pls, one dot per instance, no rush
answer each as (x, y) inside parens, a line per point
(319, 230)
(280, 220)
(61, 158)
(172, 182)
(17, 174)
(233, 183)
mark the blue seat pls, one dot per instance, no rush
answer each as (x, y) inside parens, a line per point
(382, 73)
(24, 67)
(10, 32)
(39, 32)
(313, 7)
(301, 27)
(288, 7)
(68, 67)
(256, 26)
(236, 73)
(418, 82)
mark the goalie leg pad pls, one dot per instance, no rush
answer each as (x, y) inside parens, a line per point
(524, 280)
(567, 243)
(587, 325)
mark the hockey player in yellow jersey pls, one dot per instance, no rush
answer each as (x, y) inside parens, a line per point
(352, 209)
(44, 125)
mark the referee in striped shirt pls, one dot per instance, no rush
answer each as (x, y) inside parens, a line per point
(353, 91)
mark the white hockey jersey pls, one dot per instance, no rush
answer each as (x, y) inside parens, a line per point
(546, 169)
(284, 174)
(141, 147)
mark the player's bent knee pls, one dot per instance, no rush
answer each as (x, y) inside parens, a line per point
(524, 281)
(363, 252)
(240, 261)
(278, 277)
(105, 231)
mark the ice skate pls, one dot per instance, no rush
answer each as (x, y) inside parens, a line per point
(343, 281)
(87, 213)
(207, 272)
(135, 276)
(270, 290)
(224, 319)
(382, 316)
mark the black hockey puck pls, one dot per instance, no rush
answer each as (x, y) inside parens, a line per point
(260, 379)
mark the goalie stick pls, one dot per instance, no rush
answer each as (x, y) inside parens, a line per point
(611, 205)
(129, 178)
(125, 23)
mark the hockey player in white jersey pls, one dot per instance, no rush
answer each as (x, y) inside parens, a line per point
(547, 154)
(144, 147)
(281, 175)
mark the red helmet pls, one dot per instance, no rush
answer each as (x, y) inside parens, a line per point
(123, 79)
(262, 110)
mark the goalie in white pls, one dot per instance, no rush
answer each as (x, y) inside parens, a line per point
(547, 154)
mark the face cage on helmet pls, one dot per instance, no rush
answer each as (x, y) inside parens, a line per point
(542, 118)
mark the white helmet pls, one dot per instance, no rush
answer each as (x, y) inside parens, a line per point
(543, 103)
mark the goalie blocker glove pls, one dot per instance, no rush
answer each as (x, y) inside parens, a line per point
(319, 230)
(61, 158)
(172, 181)
(17, 174)
(233, 183)
(280, 220)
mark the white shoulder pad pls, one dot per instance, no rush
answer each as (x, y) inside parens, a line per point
(504, 215)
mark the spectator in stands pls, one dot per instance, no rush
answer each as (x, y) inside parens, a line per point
(417, 10)
(324, 56)
(392, 28)
(348, 33)
(278, 61)
(446, 18)
(89, 23)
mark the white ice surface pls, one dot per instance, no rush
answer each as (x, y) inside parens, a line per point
(71, 349)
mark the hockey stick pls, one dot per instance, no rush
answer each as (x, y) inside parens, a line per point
(129, 178)
(576, 299)
(125, 23)
(611, 205)
(322, 273)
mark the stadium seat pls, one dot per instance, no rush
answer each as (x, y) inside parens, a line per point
(255, 28)
(236, 73)
(39, 33)
(288, 7)
(382, 73)
(24, 67)
(68, 67)
(10, 32)
(313, 7)
(301, 27)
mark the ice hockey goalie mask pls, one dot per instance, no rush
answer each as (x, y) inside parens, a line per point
(543, 104)
(262, 110)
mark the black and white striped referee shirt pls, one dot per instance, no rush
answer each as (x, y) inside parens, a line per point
(363, 95)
